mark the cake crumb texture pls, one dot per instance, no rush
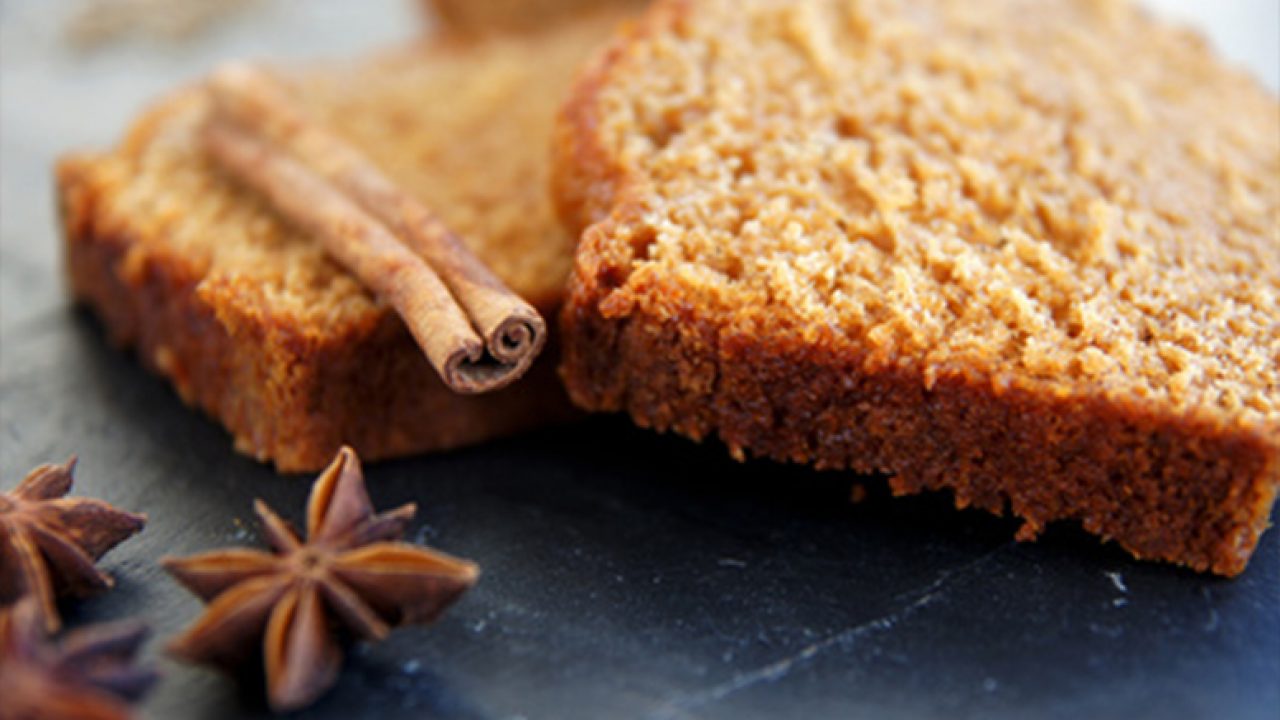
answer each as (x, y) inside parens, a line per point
(1028, 251)
(254, 323)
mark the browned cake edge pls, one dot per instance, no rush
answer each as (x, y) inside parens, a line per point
(1187, 490)
(284, 396)
(471, 17)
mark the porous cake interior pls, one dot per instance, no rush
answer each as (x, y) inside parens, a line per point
(979, 188)
(460, 124)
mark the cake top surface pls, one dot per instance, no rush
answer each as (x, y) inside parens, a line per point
(461, 123)
(1065, 195)
(485, 16)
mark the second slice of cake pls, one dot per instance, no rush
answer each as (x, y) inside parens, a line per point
(1025, 251)
(249, 318)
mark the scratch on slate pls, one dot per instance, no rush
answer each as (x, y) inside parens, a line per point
(915, 600)
(1211, 624)
(1118, 581)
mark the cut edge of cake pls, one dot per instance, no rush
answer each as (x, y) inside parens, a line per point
(289, 392)
(285, 395)
(1189, 488)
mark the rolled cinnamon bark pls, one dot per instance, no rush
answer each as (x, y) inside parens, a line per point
(510, 329)
(368, 250)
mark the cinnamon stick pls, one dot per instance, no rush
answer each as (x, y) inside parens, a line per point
(290, 145)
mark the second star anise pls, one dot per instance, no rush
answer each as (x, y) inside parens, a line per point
(349, 572)
(88, 675)
(49, 543)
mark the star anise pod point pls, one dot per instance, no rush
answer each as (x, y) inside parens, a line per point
(49, 543)
(351, 571)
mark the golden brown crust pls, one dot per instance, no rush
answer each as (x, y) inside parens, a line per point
(1187, 492)
(256, 326)
(284, 396)
(1183, 484)
(482, 16)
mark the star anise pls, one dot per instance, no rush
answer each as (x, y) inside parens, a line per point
(89, 675)
(349, 573)
(49, 543)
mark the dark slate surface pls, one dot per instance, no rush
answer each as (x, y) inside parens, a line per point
(625, 574)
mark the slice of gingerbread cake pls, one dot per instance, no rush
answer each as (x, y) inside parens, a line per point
(1026, 251)
(252, 320)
